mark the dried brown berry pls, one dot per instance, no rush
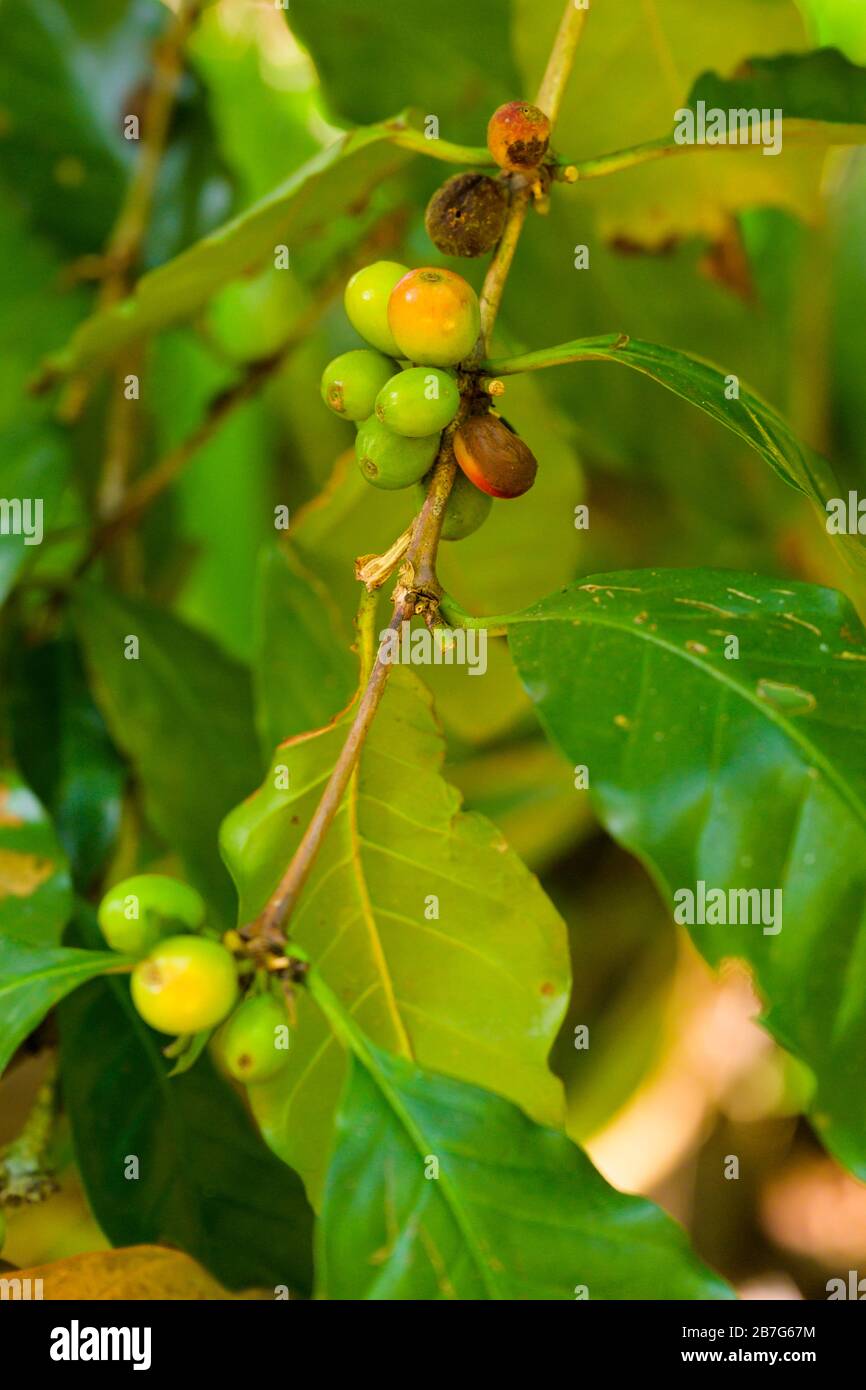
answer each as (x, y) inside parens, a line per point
(518, 135)
(493, 457)
(465, 217)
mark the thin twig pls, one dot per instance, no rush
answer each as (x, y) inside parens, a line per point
(124, 248)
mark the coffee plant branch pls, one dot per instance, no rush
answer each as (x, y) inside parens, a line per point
(418, 590)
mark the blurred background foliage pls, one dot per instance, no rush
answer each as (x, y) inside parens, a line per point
(754, 263)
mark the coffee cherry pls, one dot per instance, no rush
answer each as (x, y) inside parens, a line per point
(352, 381)
(366, 301)
(493, 457)
(518, 135)
(390, 460)
(134, 914)
(465, 217)
(249, 1040)
(434, 316)
(419, 401)
(185, 984)
(467, 508)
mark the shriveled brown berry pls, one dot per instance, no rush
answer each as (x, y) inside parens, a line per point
(518, 135)
(465, 217)
(493, 457)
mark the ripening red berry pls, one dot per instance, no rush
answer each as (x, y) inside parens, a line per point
(493, 457)
(518, 135)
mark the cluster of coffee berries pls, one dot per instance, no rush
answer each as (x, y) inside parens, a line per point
(466, 216)
(185, 982)
(403, 391)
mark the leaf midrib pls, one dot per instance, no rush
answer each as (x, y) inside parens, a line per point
(845, 793)
(444, 1184)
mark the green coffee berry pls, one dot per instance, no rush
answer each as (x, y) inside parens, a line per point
(351, 383)
(252, 1041)
(390, 460)
(419, 401)
(135, 913)
(366, 301)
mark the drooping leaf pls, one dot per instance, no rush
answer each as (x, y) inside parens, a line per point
(474, 1201)
(34, 978)
(439, 940)
(738, 764)
(35, 894)
(206, 1182)
(721, 396)
(182, 711)
(327, 186)
(303, 673)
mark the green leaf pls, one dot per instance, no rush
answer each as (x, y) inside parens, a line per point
(34, 978)
(182, 712)
(511, 1211)
(707, 386)
(326, 187)
(822, 94)
(206, 1183)
(477, 991)
(432, 59)
(746, 773)
(58, 151)
(303, 672)
(35, 894)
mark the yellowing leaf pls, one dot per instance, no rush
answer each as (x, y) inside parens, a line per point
(635, 68)
(435, 937)
(140, 1272)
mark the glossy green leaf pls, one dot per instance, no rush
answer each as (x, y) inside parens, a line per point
(709, 388)
(440, 942)
(303, 672)
(295, 213)
(474, 1201)
(206, 1182)
(34, 978)
(182, 712)
(35, 894)
(738, 772)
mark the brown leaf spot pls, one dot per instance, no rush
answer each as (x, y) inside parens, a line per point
(21, 874)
